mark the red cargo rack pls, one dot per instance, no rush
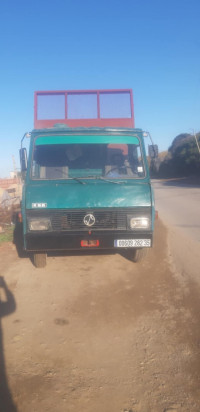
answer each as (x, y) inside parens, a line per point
(84, 108)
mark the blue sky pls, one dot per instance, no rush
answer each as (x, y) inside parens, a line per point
(151, 46)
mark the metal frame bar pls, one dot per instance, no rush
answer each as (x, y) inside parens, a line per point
(97, 122)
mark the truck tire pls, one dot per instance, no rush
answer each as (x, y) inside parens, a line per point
(139, 254)
(39, 260)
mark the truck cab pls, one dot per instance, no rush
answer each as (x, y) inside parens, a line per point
(87, 183)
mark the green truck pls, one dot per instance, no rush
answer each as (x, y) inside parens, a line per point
(87, 183)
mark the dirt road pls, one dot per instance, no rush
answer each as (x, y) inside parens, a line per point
(99, 333)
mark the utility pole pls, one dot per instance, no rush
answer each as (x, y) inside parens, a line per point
(14, 165)
(17, 192)
(197, 143)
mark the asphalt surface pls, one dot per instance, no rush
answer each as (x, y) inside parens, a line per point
(178, 204)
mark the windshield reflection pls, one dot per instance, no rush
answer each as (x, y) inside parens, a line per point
(70, 161)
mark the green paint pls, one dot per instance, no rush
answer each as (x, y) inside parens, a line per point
(88, 193)
(95, 193)
(51, 140)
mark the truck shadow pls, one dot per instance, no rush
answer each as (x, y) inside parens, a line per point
(84, 252)
(18, 241)
(126, 254)
(7, 306)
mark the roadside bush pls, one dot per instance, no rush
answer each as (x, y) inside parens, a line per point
(183, 158)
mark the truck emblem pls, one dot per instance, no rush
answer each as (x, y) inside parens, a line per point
(34, 205)
(89, 220)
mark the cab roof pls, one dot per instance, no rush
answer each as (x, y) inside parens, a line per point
(86, 130)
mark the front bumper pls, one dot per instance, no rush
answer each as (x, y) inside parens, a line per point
(53, 241)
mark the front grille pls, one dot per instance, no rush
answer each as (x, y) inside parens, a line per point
(73, 219)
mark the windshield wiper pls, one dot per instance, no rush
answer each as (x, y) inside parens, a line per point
(73, 178)
(106, 180)
(89, 177)
(78, 180)
(118, 182)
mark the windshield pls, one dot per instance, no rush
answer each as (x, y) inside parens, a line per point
(112, 157)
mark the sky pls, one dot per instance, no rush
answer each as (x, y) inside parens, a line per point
(150, 46)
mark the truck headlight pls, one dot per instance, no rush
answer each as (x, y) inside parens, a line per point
(39, 224)
(138, 222)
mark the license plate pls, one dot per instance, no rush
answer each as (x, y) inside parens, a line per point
(132, 243)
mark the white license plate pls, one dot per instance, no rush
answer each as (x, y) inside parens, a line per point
(132, 242)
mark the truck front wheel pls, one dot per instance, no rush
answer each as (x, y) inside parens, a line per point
(139, 254)
(136, 255)
(39, 260)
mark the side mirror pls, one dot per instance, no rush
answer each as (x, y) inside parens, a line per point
(153, 151)
(23, 159)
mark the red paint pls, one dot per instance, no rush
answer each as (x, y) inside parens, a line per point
(20, 217)
(97, 122)
(89, 243)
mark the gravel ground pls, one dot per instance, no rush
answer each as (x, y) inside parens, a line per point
(99, 333)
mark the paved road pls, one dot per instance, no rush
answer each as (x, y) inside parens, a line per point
(178, 205)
